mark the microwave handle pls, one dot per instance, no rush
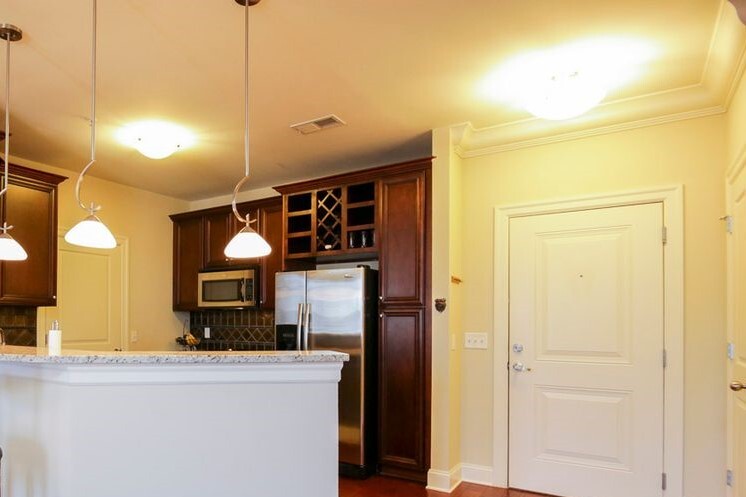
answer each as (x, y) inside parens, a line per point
(243, 290)
(299, 333)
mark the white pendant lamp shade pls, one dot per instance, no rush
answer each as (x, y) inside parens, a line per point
(247, 244)
(91, 232)
(11, 250)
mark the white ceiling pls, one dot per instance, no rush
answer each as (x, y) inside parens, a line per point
(393, 69)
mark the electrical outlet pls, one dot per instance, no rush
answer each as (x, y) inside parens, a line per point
(475, 340)
(207, 332)
(134, 336)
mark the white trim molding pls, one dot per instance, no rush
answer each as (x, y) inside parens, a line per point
(444, 481)
(672, 199)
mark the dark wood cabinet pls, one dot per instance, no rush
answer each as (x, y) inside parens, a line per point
(30, 206)
(219, 227)
(188, 260)
(402, 239)
(270, 225)
(391, 206)
(402, 391)
(201, 236)
(330, 219)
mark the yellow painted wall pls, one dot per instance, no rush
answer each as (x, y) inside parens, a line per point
(692, 153)
(142, 217)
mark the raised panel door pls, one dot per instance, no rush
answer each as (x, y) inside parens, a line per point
(402, 392)
(188, 240)
(219, 227)
(270, 220)
(402, 240)
(586, 334)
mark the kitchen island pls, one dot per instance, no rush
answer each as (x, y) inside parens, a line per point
(163, 424)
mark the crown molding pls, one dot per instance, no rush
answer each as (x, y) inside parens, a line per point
(465, 152)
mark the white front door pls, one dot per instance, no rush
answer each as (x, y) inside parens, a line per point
(737, 335)
(586, 358)
(90, 298)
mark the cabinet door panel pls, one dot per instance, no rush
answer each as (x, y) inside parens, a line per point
(402, 387)
(402, 239)
(219, 228)
(270, 219)
(31, 208)
(188, 238)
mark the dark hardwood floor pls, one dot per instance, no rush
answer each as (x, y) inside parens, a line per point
(378, 486)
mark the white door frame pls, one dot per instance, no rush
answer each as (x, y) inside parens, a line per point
(672, 199)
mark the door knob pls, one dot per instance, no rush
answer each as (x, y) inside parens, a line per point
(737, 386)
(518, 367)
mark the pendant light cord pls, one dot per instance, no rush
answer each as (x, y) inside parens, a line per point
(243, 180)
(93, 207)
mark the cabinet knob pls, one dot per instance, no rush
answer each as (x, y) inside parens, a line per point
(380, 297)
(380, 315)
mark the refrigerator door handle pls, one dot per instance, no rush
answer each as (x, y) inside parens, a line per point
(307, 326)
(299, 333)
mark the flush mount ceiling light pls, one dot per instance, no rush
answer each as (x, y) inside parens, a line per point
(568, 80)
(155, 139)
(10, 249)
(91, 231)
(247, 243)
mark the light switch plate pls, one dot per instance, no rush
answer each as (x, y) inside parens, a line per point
(475, 340)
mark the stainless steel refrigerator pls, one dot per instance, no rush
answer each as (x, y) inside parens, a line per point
(335, 309)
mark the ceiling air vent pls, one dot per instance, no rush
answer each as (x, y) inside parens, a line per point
(318, 124)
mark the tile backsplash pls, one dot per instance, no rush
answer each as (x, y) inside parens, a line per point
(234, 329)
(19, 325)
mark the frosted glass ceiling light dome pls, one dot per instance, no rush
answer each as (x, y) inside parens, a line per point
(91, 231)
(155, 139)
(564, 96)
(10, 249)
(247, 243)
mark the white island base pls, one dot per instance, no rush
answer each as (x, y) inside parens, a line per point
(169, 425)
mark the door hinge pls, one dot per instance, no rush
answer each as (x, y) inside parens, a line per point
(729, 477)
(728, 223)
(663, 480)
(665, 358)
(664, 235)
(731, 350)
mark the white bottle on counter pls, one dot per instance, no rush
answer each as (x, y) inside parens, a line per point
(54, 339)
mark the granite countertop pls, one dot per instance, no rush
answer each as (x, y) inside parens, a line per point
(34, 355)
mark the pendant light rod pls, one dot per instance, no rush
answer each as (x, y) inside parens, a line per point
(243, 180)
(9, 33)
(93, 207)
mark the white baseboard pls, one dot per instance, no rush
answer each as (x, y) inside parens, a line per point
(474, 473)
(444, 481)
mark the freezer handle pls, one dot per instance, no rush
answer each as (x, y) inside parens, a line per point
(299, 333)
(307, 326)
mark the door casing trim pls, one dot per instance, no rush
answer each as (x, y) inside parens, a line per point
(672, 199)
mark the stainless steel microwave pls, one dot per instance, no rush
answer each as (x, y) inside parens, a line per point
(228, 288)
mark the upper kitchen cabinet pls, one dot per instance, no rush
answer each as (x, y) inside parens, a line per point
(30, 205)
(403, 239)
(201, 236)
(187, 260)
(334, 220)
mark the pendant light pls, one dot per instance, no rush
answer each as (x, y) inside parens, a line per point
(10, 249)
(247, 243)
(91, 231)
